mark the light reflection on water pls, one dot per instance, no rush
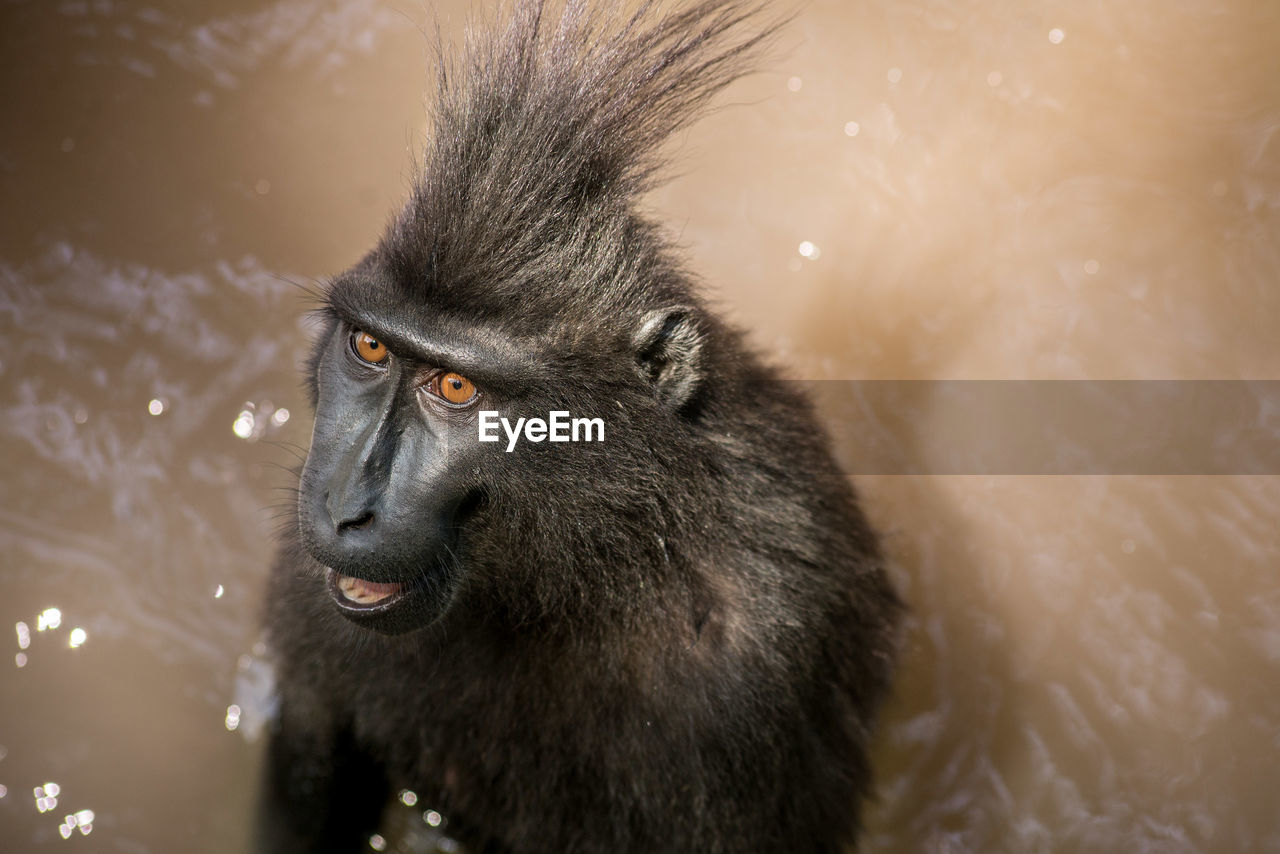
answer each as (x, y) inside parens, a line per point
(256, 420)
(962, 190)
(46, 796)
(81, 820)
(50, 618)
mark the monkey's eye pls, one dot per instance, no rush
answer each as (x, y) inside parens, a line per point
(368, 348)
(453, 389)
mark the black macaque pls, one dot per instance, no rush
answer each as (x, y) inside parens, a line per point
(671, 640)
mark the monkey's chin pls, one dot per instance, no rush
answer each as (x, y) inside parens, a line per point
(389, 608)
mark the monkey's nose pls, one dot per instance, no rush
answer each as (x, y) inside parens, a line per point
(349, 513)
(356, 522)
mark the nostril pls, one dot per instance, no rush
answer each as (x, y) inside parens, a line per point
(364, 520)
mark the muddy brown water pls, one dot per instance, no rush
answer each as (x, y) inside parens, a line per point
(949, 190)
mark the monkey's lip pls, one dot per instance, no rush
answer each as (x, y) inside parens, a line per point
(358, 594)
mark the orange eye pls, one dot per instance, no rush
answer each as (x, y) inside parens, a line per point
(369, 348)
(453, 388)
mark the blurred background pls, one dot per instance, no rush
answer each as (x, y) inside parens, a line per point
(953, 190)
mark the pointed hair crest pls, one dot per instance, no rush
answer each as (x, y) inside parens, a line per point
(545, 130)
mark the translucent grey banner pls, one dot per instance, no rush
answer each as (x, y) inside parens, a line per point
(1055, 427)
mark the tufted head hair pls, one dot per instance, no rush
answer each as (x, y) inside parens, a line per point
(545, 130)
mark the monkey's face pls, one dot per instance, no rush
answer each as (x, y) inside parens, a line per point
(392, 475)
(402, 501)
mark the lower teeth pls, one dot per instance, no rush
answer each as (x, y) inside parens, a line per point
(355, 590)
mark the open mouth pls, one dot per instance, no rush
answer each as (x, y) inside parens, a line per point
(366, 597)
(389, 607)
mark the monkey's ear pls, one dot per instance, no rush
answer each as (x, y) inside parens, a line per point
(668, 348)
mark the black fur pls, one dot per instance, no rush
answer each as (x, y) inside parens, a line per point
(674, 640)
